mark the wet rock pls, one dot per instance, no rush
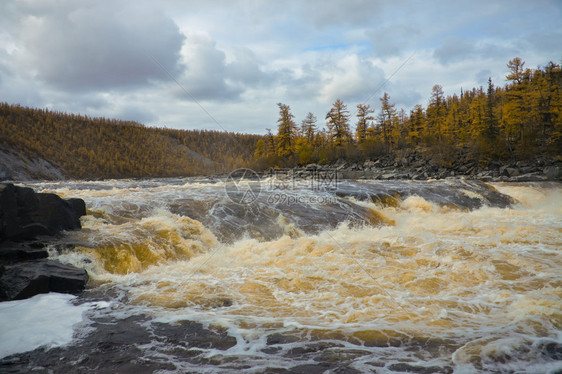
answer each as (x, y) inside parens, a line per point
(407, 368)
(27, 279)
(553, 172)
(509, 172)
(193, 334)
(318, 369)
(281, 339)
(11, 252)
(528, 169)
(112, 347)
(26, 215)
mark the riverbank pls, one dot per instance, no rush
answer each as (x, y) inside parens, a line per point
(415, 166)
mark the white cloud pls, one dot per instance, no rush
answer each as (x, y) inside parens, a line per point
(206, 71)
(351, 78)
(241, 58)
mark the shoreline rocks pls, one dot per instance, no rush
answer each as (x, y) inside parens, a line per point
(414, 166)
(27, 221)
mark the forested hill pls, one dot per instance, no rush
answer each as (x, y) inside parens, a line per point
(85, 147)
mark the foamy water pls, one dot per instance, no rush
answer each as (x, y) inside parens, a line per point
(436, 274)
(41, 321)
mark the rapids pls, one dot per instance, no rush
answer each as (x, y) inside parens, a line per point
(366, 276)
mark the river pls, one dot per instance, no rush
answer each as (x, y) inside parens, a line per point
(318, 275)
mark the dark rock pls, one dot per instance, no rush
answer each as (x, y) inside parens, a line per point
(194, 335)
(78, 206)
(494, 165)
(407, 368)
(351, 174)
(528, 169)
(5, 175)
(312, 369)
(13, 252)
(513, 172)
(8, 211)
(553, 172)
(27, 279)
(26, 215)
(506, 171)
(113, 346)
(281, 339)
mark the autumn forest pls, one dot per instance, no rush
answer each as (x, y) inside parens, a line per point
(515, 122)
(519, 121)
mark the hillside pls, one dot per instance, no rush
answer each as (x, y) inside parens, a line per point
(49, 144)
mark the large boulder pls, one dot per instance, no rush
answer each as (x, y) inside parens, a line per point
(26, 279)
(26, 215)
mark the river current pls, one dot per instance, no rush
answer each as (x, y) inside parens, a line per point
(278, 275)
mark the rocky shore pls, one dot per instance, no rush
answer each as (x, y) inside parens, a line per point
(415, 166)
(28, 223)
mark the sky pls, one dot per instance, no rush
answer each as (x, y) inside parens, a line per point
(224, 65)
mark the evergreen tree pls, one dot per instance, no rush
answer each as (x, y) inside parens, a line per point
(308, 127)
(337, 123)
(364, 119)
(436, 111)
(491, 130)
(386, 118)
(286, 131)
(417, 124)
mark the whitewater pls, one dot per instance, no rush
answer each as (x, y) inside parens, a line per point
(208, 275)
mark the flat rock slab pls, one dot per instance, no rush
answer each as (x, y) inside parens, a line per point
(26, 279)
(11, 252)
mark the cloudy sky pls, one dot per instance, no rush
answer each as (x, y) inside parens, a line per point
(224, 65)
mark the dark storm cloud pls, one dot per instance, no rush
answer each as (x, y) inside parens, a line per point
(98, 46)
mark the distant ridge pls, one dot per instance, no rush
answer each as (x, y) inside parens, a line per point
(44, 144)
